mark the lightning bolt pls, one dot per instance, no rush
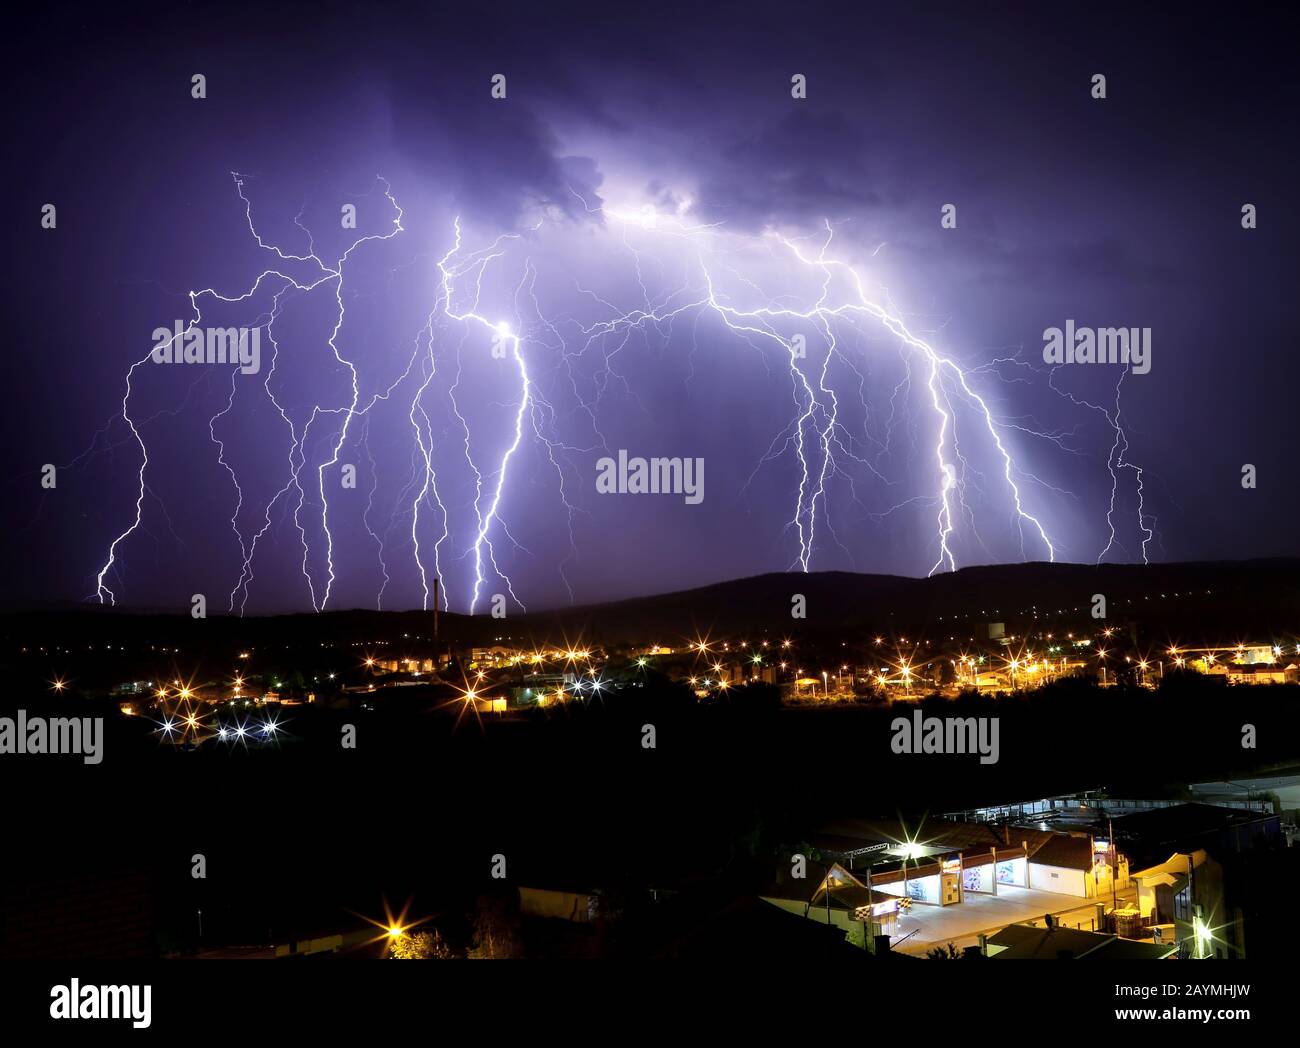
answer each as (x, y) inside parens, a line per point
(328, 273)
(828, 450)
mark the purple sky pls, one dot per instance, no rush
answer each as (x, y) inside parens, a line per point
(641, 163)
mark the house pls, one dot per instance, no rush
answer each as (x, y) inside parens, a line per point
(1261, 673)
(1223, 902)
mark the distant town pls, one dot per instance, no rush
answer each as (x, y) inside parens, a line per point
(510, 675)
(1139, 799)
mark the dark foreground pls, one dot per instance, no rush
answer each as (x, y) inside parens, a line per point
(307, 838)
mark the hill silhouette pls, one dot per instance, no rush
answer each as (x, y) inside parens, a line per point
(1257, 598)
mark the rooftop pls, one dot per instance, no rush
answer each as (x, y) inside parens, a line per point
(1023, 942)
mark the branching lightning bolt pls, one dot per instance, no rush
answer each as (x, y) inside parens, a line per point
(536, 347)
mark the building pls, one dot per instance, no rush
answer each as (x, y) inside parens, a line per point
(1165, 893)
(1261, 673)
(543, 689)
(1151, 836)
(405, 665)
(497, 655)
(938, 865)
(1220, 878)
(830, 894)
(581, 907)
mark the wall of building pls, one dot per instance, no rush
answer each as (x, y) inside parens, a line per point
(978, 878)
(1058, 879)
(543, 902)
(1011, 871)
(919, 889)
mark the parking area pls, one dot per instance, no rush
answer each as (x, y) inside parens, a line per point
(925, 927)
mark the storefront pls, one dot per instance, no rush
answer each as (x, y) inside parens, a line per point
(1012, 871)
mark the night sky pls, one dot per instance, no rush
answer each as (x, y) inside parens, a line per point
(642, 162)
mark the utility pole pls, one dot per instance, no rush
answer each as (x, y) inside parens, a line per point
(1114, 855)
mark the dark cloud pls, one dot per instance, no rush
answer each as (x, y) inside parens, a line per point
(1125, 210)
